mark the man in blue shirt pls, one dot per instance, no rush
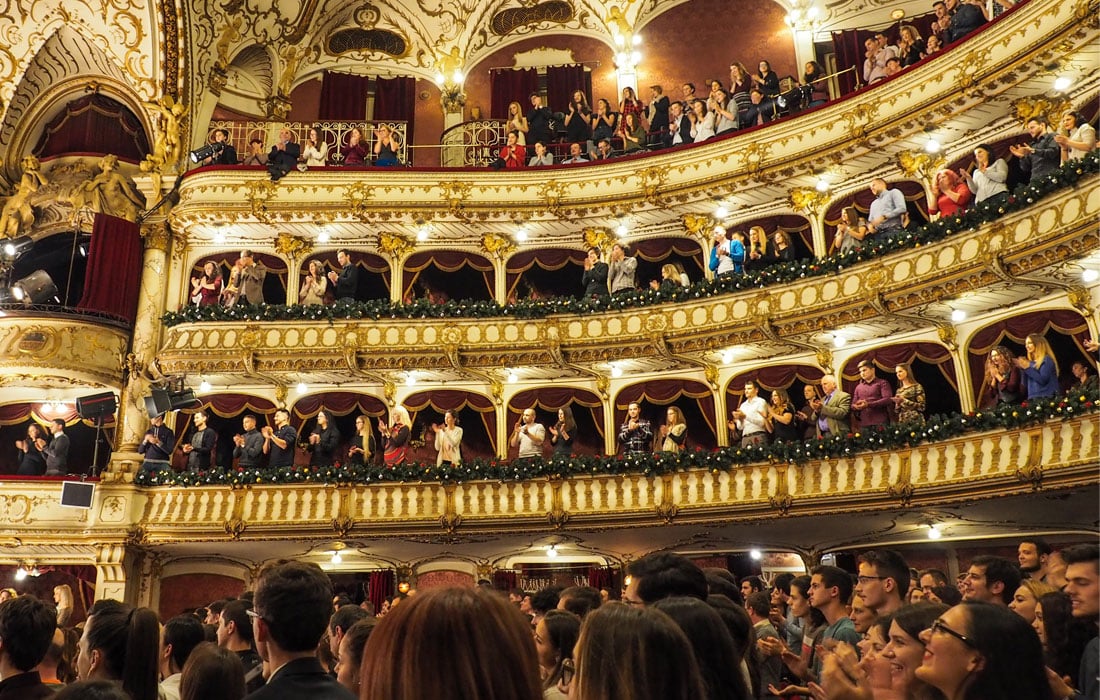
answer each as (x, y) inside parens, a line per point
(887, 209)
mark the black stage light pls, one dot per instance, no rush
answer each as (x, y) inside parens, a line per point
(17, 246)
(202, 153)
(35, 288)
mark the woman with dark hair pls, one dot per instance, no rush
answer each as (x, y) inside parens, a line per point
(350, 657)
(813, 81)
(982, 651)
(909, 399)
(577, 128)
(563, 432)
(355, 153)
(1062, 635)
(555, 636)
(323, 441)
(732, 612)
(1003, 376)
(605, 122)
(31, 460)
(212, 673)
(850, 231)
(712, 644)
(630, 104)
(904, 647)
(448, 440)
(781, 418)
(120, 643)
(451, 644)
(634, 134)
(314, 285)
(784, 251)
(206, 290)
(766, 80)
(633, 652)
(989, 177)
(315, 149)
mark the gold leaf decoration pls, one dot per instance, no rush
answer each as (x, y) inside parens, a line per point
(394, 244)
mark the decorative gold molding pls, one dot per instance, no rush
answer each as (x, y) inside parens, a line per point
(394, 244)
(497, 246)
(921, 165)
(807, 199)
(293, 247)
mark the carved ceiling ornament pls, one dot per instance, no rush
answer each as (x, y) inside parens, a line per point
(917, 164)
(808, 200)
(497, 246)
(599, 238)
(1049, 108)
(293, 247)
(394, 244)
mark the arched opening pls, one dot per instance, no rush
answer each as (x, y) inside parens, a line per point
(916, 203)
(64, 257)
(476, 416)
(94, 124)
(791, 378)
(796, 227)
(652, 254)
(694, 398)
(587, 410)
(1064, 330)
(15, 418)
(342, 407)
(223, 415)
(544, 274)
(442, 275)
(275, 280)
(373, 281)
(933, 368)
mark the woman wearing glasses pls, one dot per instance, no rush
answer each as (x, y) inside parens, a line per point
(982, 651)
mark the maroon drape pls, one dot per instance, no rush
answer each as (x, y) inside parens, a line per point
(602, 577)
(395, 100)
(658, 249)
(380, 585)
(444, 400)
(505, 580)
(563, 81)
(551, 259)
(113, 276)
(1063, 321)
(343, 97)
(447, 261)
(232, 405)
(339, 403)
(509, 85)
(888, 357)
(664, 392)
(775, 377)
(850, 51)
(94, 124)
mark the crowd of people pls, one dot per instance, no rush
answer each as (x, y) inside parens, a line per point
(1024, 629)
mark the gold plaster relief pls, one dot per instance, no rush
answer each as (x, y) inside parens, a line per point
(924, 264)
(679, 319)
(634, 324)
(831, 290)
(392, 335)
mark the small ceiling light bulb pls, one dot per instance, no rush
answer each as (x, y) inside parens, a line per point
(839, 341)
(301, 388)
(727, 357)
(20, 573)
(422, 234)
(1062, 83)
(1090, 275)
(932, 146)
(512, 377)
(552, 551)
(323, 236)
(822, 185)
(755, 554)
(958, 315)
(934, 532)
(616, 371)
(410, 379)
(721, 212)
(204, 386)
(636, 40)
(521, 234)
(635, 57)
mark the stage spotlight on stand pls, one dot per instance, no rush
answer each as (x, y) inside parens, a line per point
(17, 246)
(161, 401)
(35, 288)
(211, 149)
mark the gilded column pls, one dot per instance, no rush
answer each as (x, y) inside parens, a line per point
(813, 203)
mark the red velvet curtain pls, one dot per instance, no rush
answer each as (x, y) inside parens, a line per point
(1017, 329)
(888, 357)
(547, 259)
(775, 377)
(447, 261)
(231, 405)
(553, 398)
(395, 100)
(602, 577)
(452, 400)
(663, 392)
(339, 403)
(505, 580)
(562, 82)
(658, 249)
(15, 413)
(380, 585)
(850, 52)
(113, 276)
(509, 85)
(343, 97)
(94, 124)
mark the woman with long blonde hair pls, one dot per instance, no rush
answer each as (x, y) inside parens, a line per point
(63, 596)
(673, 433)
(517, 123)
(1039, 368)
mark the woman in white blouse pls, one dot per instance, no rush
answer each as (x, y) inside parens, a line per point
(448, 440)
(315, 150)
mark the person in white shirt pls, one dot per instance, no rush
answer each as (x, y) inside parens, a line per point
(751, 417)
(528, 435)
(180, 637)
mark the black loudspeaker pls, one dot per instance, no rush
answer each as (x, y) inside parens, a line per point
(97, 405)
(77, 494)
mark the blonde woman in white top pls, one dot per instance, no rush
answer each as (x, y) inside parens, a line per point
(63, 596)
(517, 122)
(314, 150)
(674, 432)
(448, 440)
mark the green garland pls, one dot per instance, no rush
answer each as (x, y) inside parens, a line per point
(891, 437)
(1022, 198)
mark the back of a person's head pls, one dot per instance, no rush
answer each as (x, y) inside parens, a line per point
(546, 600)
(722, 582)
(737, 622)
(835, 577)
(355, 638)
(92, 690)
(634, 653)
(27, 625)
(664, 574)
(451, 643)
(294, 599)
(889, 564)
(712, 643)
(236, 612)
(1011, 652)
(184, 633)
(216, 607)
(782, 582)
(124, 644)
(1003, 570)
(580, 600)
(212, 673)
(346, 616)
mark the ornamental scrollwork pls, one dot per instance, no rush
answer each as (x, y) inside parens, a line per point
(598, 237)
(920, 165)
(293, 247)
(497, 246)
(394, 244)
(807, 199)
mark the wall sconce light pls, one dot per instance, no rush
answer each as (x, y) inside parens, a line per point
(403, 588)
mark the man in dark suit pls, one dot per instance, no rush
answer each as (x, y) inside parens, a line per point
(292, 608)
(57, 452)
(284, 156)
(679, 126)
(346, 281)
(26, 630)
(157, 445)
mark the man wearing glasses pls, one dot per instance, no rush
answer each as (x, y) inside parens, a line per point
(883, 580)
